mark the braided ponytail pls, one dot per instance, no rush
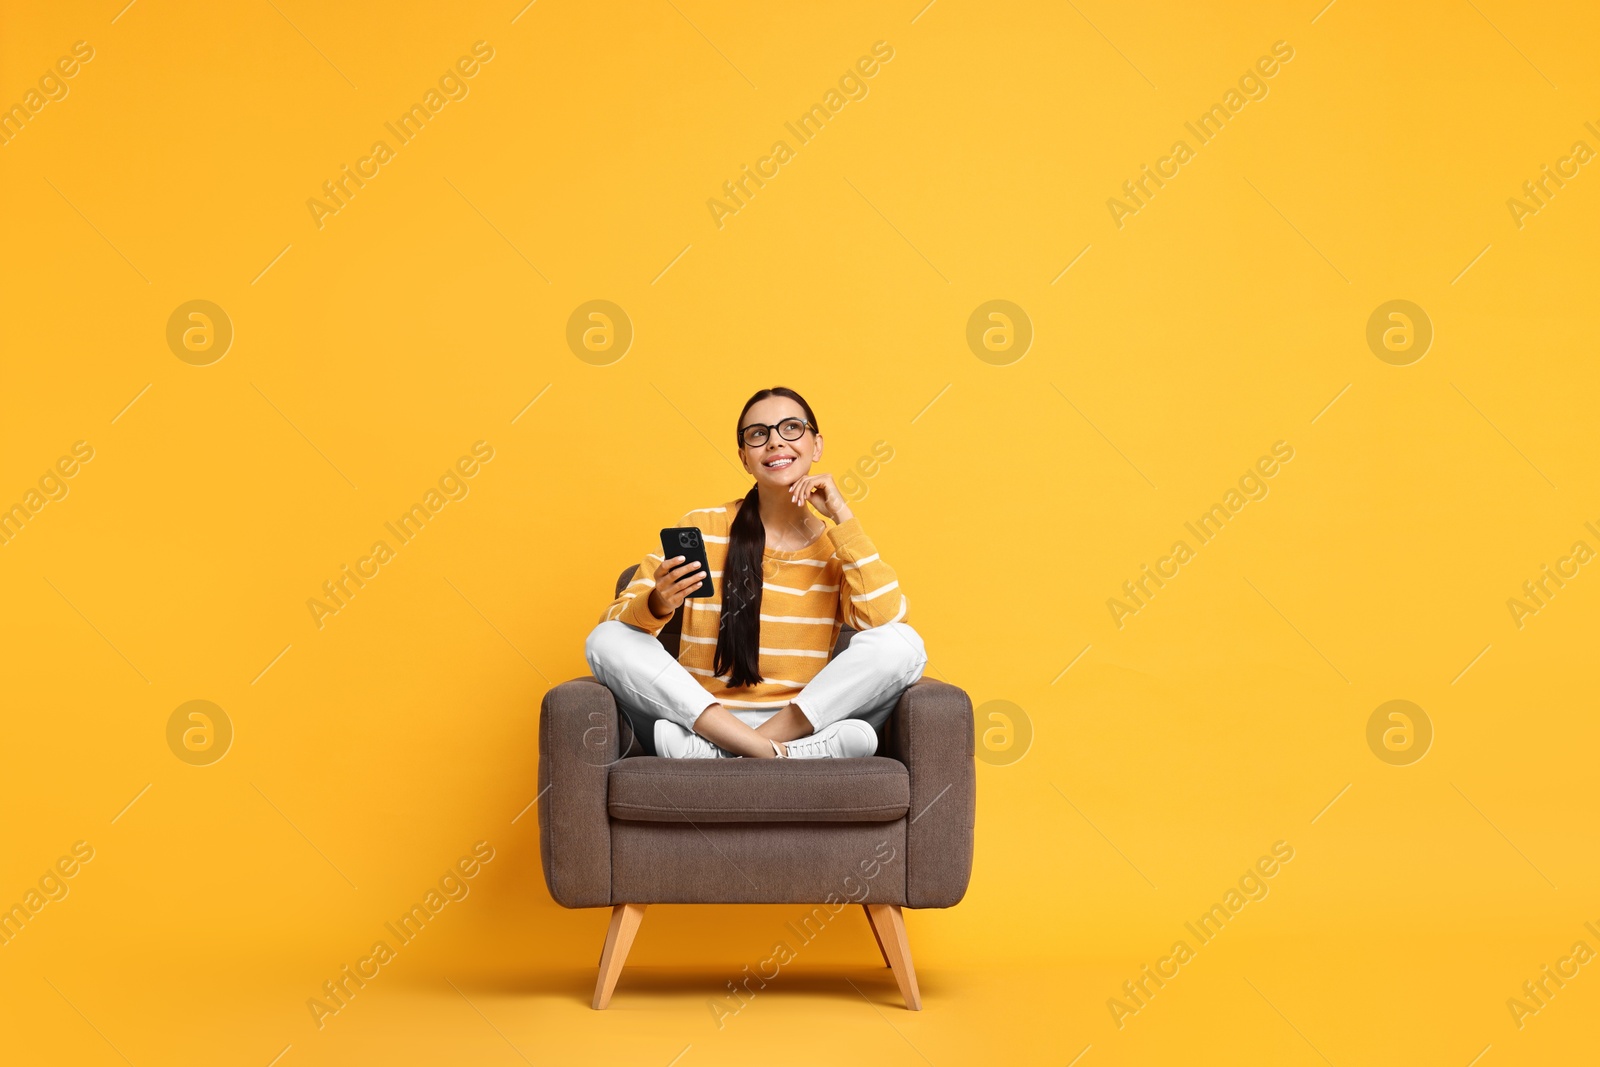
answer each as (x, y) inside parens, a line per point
(739, 629)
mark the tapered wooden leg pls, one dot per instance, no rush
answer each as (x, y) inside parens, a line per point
(875, 936)
(890, 925)
(625, 919)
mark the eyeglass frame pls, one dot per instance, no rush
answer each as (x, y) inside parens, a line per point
(805, 424)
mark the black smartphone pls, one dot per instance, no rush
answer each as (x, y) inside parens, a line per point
(688, 542)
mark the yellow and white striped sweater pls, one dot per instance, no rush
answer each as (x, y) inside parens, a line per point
(806, 596)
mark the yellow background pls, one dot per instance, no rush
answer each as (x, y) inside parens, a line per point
(1223, 317)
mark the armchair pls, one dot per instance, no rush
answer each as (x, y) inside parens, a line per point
(620, 827)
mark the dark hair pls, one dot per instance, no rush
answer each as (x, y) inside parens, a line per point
(739, 629)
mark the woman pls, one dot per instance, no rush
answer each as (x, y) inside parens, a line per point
(752, 677)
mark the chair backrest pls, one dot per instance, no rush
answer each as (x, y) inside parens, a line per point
(670, 634)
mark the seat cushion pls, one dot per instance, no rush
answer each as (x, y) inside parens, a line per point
(657, 789)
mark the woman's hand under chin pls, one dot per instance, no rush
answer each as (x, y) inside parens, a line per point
(819, 491)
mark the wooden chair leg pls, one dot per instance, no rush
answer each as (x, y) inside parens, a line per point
(875, 936)
(625, 920)
(890, 925)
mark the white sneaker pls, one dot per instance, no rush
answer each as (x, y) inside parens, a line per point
(675, 742)
(844, 739)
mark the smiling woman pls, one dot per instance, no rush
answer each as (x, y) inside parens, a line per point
(755, 673)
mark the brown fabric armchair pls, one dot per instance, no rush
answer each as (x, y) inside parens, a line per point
(622, 828)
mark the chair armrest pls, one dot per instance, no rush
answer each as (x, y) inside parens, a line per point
(930, 731)
(579, 739)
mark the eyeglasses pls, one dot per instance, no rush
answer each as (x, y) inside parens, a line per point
(755, 435)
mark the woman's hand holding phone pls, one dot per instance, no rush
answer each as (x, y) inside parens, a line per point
(675, 580)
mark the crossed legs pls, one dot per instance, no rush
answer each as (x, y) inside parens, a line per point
(864, 681)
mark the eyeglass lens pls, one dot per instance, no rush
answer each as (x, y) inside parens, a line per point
(789, 430)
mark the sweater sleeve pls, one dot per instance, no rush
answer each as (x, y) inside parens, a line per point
(632, 605)
(869, 592)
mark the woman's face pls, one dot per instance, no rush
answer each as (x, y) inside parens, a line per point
(793, 458)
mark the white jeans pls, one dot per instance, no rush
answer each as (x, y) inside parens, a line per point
(862, 682)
